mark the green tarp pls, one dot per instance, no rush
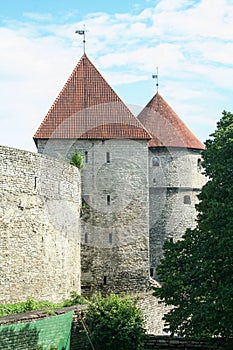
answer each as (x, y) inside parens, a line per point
(47, 334)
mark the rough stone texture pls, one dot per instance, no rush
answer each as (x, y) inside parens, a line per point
(153, 312)
(115, 222)
(40, 233)
(174, 185)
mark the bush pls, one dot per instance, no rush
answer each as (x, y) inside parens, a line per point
(115, 323)
(77, 159)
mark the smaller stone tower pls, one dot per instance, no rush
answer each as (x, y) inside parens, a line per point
(175, 175)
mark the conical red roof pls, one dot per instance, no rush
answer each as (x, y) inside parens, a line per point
(165, 127)
(88, 108)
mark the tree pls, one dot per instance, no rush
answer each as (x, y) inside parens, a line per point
(196, 272)
(115, 323)
(77, 159)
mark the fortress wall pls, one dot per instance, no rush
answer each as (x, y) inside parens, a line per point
(39, 227)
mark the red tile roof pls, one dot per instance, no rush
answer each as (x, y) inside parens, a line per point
(88, 108)
(165, 127)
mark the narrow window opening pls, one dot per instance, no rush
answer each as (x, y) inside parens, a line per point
(155, 161)
(110, 238)
(187, 199)
(35, 182)
(171, 239)
(151, 272)
(154, 180)
(108, 199)
(108, 157)
(199, 164)
(86, 238)
(105, 280)
(86, 157)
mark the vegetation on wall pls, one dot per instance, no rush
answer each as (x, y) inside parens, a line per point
(31, 304)
(196, 272)
(77, 159)
(115, 323)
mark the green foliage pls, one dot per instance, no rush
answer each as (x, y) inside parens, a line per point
(30, 304)
(196, 273)
(77, 159)
(115, 323)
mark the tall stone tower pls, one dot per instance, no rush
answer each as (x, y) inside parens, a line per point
(89, 116)
(175, 175)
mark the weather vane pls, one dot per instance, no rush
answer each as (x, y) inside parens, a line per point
(156, 76)
(82, 32)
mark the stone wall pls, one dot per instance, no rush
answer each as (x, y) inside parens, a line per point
(40, 233)
(115, 212)
(175, 180)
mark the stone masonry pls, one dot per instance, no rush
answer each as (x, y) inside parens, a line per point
(40, 230)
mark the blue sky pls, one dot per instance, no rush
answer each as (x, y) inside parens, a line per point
(190, 41)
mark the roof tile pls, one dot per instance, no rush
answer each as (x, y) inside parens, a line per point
(165, 127)
(88, 108)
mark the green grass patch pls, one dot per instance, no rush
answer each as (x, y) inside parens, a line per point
(30, 304)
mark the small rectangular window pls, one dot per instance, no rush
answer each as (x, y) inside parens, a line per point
(105, 280)
(110, 238)
(35, 182)
(187, 199)
(151, 272)
(86, 157)
(108, 157)
(108, 199)
(86, 238)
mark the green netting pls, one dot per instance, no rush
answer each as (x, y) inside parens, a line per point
(47, 334)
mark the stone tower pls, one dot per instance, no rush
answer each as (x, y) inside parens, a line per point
(175, 175)
(89, 116)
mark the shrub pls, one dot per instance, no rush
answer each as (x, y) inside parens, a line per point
(77, 159)
(115, 323)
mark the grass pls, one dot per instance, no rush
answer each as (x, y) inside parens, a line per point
(31, 304)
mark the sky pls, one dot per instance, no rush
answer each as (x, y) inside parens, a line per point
(190, 41)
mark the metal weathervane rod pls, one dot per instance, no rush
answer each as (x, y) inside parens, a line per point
(82, 32)
(156, 76)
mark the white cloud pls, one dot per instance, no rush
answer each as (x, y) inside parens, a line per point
(190, 41)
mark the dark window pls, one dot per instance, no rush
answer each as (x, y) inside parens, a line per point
(105, 280)
(155, 161)
(187, 199)
(35, 180)
(86, 157)
(199, 164)
(108, 157)
(86, 238)
(110, 238)
(151, 272)
(108, 199)
(154, 180)
(103, 142)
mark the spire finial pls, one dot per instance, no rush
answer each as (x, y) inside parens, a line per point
(82, 32)
(156, 76)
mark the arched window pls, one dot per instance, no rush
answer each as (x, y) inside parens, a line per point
(155, 161)
(187, 199)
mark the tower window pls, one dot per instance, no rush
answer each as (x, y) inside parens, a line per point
(108, 157)
(151, 272)
(187, 199)
(86, 157)
(155, 161)
(86, 238)
(199, 164)
(105, 280)
(110, 238)
(108, 199)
